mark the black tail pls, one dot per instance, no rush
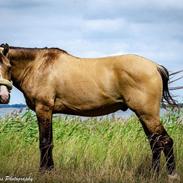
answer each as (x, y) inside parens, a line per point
(166, 93)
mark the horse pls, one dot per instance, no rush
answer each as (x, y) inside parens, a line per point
(54, 81)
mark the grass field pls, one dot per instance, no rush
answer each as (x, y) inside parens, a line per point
(95, 150)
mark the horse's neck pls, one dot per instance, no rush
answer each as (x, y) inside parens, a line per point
(20, 60)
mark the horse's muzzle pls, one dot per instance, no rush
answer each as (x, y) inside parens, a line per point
(4, 95)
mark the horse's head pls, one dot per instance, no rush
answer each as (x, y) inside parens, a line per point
(5, 75)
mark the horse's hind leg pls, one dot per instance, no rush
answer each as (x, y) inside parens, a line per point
(159, 141)
(147, 109)
(155, 146)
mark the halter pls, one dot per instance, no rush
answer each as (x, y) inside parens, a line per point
(7, 83)
(3, 81)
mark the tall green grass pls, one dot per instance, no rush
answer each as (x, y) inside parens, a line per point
(93, 150)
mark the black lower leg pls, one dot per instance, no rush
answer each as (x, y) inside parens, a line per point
(156, 147)
(168, 151)
(46, 160)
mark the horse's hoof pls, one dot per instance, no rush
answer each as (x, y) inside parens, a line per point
(173, 177)
(44, 170)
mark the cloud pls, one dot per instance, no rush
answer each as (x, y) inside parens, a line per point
(139, 10)
(96, 28)
(19, 4)
(109, 25)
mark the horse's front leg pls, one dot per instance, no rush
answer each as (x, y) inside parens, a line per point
(44, 116)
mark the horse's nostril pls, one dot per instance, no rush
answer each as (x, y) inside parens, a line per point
(4, 94)
(4, 99)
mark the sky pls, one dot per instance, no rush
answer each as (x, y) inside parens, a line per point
(96, 28)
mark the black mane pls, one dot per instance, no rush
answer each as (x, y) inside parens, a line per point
(33, 49)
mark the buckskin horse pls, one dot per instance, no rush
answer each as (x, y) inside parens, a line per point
(53, 81)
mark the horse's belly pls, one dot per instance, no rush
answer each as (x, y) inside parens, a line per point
(89, 110)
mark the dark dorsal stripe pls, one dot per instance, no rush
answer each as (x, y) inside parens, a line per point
(37, 49)
(24, 53)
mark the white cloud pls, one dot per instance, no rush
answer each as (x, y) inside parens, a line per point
(94, 28)
(109, 25)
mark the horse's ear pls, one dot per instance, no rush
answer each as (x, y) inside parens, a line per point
(4, 48)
